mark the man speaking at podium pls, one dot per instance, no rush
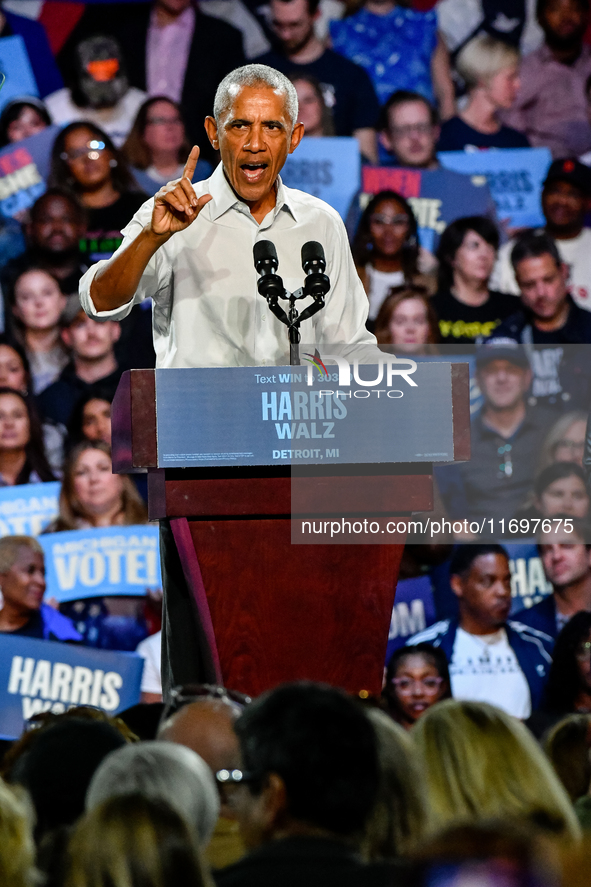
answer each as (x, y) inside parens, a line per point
(190, 248)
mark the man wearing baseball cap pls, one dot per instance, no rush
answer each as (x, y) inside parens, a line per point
(565, 200)
(506, 437)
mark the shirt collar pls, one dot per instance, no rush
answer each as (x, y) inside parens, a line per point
(224, 197)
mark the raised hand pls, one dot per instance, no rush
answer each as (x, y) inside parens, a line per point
(176, 205)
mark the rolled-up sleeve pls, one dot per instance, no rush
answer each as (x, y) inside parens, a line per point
(155, 277)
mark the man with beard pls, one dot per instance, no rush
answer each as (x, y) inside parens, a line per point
(53, 235)
(491, 658)
(346, 87)
(565, 198)
(551, 107)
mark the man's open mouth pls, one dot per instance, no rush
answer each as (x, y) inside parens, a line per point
(254, 172)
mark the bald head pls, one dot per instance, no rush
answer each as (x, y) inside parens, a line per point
(207, 727)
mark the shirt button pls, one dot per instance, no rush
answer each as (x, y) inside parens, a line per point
(263, 318)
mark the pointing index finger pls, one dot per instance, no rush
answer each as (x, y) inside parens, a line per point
(191, 163)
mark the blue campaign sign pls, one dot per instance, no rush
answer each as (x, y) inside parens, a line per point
(514, 176)
(107, 561)
(328, 168)
(40, 676)
(24, 169)
(414, 610)
(16, 67)
(400, 411)
(27, 509)
(437, 197)
(528, 581)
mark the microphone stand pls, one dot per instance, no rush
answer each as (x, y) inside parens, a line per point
(270, 286)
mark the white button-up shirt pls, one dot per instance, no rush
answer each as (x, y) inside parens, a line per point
(203, 283)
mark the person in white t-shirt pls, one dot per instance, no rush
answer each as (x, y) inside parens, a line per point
(565, 199)
(491, 658)
(150, 650)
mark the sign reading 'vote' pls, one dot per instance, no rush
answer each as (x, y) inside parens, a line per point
(110, 561)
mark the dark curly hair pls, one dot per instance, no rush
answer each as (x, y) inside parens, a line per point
(564, 679)
(61, 176)
(362, 245)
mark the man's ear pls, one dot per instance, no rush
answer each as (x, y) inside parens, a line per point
(274, 807)
(296, 137)
(456, 585)
(66, 337)
(211, 128)
(115, 331)
(385, 141)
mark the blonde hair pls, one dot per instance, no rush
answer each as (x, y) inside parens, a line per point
(9, 549)
(483, 57)
(72, 512)
(397, 822)
(17, 848)
(130, 840)
(556, 434)
(480, 763)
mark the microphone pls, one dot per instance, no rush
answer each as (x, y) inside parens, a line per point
(269, 285)
(317, 283)
(265, 257)
(313, 257)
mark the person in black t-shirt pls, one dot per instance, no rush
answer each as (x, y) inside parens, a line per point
(467, 310)
(549, 319)
(490, 69)
(85, 161)
(346, 87)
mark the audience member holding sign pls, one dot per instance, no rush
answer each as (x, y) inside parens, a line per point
(22, 580)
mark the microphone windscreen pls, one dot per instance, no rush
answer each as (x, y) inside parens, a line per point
(264, 250)
(312, 252)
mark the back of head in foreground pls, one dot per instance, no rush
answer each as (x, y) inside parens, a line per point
(134, 841)
(165, 772)
(310, 756)
(17, 848)
(480, 763)
(397, 821)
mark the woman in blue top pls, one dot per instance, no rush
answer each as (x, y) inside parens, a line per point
(400, 49)
(490, 69)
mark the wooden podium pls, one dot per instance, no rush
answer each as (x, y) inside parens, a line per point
(247, 608)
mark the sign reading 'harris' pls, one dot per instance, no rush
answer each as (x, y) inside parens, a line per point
(38, 676)
(397, 411)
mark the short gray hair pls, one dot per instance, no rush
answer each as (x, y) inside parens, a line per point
(162, 771)
(255, 75)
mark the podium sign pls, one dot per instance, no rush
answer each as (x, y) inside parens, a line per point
(400, 411)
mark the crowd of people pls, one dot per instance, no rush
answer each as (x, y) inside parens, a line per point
(475, 761)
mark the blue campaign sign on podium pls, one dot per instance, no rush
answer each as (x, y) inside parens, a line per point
(514, 176)
(38, 676)
(399, 411)
(329, 168)
(107, 561)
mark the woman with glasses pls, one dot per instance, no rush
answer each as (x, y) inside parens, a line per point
(386, 249)
(86, 162)
(568, 690)
(416, 678)
(565, 441)
(157, 145)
